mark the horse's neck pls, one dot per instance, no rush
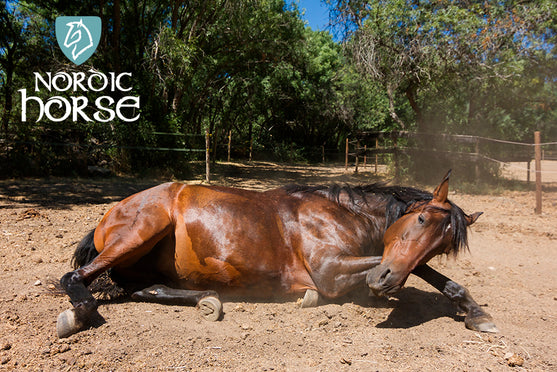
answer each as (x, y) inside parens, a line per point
(372, 206)
(374, 212)
(378, 217)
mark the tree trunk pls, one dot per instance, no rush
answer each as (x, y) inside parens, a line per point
(392, 112)
(116, 36)
(175, 8)
(411, 95)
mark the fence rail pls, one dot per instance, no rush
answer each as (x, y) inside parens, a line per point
(463, 147)
(529, 152)
(84, 146)
(101, 146)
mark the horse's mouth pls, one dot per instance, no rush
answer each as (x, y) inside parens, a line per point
(383, 281)
(387, 291)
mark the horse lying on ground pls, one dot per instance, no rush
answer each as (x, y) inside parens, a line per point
(326, 241)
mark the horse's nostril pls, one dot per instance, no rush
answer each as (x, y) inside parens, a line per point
(384, 275)
(380, 278)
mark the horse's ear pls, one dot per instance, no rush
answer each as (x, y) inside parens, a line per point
(473, 217)
(442, 191)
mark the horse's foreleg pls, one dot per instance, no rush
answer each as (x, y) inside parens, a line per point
(476, 318)
(207, 301)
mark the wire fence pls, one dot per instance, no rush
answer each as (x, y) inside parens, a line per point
(46, 154)
(511, 159)
(382, 143)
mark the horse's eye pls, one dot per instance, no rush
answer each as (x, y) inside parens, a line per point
(421, 219)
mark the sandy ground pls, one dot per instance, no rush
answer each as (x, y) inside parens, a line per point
(520, 171)
(511, 270)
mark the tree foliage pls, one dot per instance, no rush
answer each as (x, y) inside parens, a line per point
(254, 69)
(468, 67)
(470, 52)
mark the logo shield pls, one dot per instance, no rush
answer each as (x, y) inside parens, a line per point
(78, 37)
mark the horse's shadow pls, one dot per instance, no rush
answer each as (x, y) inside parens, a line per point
(411, 307)
(414, 307)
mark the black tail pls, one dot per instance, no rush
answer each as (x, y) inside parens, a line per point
(85, 251)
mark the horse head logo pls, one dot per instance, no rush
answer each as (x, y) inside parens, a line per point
(78, 37)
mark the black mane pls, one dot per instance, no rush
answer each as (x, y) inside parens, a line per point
(397, 200)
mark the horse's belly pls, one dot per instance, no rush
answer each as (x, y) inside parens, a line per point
(211, 270)
(262, 272)
(234, 272)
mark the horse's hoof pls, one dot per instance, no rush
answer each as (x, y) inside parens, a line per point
(67, 324)
(310, 298)
(210, 308)
(481, 324)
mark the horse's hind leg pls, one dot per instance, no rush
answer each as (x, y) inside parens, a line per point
(120, 246)
(84, 312)
(476, 318)
(75, 284)
(207, 301)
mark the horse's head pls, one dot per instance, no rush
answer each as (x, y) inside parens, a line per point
(427, 228)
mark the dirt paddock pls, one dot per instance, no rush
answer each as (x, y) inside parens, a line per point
(511, 270)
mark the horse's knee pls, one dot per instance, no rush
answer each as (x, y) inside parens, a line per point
(456, 292)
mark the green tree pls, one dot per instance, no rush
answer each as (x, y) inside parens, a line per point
(416, 47)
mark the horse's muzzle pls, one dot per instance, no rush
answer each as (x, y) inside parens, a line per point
(383, 281)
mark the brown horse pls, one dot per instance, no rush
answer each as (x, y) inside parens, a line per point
(326, 241)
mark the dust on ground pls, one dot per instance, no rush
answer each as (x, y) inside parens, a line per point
(511, 270)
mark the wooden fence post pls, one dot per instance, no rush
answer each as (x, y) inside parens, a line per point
(376, 155)
(207, 156)
(477, 166)
(229, 144)
(251, 149)
(346, 157)
(357, 157)
(215, 139)
(538, 160)
(397, 170)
